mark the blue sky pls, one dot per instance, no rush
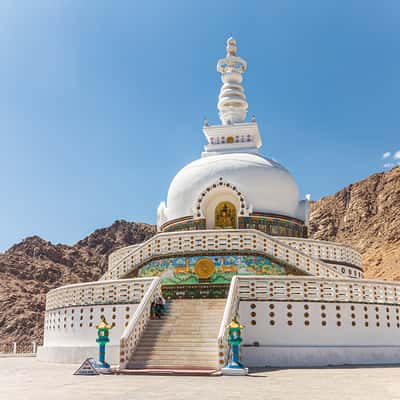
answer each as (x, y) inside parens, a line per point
(102, 102)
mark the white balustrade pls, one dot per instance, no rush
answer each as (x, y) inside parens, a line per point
(304, 288)
(101, 292)
(117, 255)
(137, 325)
(20, 348)
(195, 242)
(324, 250)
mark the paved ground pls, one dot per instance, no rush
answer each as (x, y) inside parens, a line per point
(28, 379)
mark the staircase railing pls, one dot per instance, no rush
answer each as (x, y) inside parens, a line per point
(137, 325)
(231, 308)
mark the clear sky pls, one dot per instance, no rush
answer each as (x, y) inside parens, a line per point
(102, 102)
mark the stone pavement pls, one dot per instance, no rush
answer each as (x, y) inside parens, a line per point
(28, 379)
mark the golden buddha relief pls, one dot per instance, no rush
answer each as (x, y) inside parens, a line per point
(225, 216)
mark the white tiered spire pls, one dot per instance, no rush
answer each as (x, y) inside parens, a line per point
(234, 135)
(232, 104)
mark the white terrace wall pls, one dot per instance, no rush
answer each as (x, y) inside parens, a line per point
(73, 311)
(306, 321)
(291, 334)
(76, 326)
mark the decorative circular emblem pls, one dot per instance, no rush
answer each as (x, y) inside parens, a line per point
(204, 268)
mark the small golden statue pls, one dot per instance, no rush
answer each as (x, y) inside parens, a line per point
(225, 216)
(104, 325)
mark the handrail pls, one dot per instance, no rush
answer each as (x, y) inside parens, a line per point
(137, 325)
(231, 307)
(117, 255)
(242, 240)
(324, 249)
(100, 292)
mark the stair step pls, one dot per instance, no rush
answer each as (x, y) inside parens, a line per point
(184, 342)
(175, 336)
(168, 350)
(166, 330)
(181, 321)
(168, 366)
(181, 338)
(176, 342)
(165, 360)
(178, 315)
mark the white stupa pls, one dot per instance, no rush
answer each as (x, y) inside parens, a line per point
(232, 241)
(231, 160)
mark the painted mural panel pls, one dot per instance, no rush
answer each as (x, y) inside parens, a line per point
(209, 269)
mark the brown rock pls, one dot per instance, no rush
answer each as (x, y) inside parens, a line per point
(28, 270)
(365, 215)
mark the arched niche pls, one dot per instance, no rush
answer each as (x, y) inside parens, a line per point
(215, 194)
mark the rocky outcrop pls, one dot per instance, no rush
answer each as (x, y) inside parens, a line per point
(365, 215)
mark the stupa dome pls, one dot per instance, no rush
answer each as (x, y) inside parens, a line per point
(265, 185)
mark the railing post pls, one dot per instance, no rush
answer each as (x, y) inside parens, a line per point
(34, 347)
(15, 348)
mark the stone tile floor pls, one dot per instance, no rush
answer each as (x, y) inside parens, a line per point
(28, 379)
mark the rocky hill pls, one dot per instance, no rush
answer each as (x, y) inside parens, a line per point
(365, 215)
(28, 270)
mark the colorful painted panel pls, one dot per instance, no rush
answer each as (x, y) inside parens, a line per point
(186, 225)
(209, 269)
(273, 226)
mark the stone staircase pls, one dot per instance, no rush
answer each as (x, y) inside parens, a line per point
(185, 337)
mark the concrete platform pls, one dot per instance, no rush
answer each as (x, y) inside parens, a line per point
(28, 379)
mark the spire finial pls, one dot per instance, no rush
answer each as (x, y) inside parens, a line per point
(231, 47)
(232, 104)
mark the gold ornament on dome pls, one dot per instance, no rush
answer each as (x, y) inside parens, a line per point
(204, 268)
(225, 216)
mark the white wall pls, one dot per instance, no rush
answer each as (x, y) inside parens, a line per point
(316, 333)
(76, 326)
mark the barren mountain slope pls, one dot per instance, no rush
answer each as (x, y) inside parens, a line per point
(28, 270)
(365, 215)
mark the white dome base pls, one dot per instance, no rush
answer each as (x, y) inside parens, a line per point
(251, 182)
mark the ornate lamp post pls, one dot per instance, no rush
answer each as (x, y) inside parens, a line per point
(234, 367)
(103, 330)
